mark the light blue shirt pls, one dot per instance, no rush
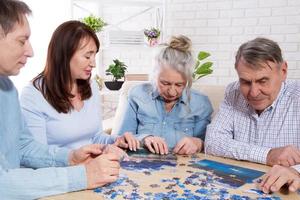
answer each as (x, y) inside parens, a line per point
(17, 147)
(146, 115)
(71, 130)
(237, 131)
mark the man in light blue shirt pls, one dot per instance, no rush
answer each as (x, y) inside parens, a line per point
(17, 146)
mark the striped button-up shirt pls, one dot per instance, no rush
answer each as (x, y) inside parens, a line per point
(238, 132)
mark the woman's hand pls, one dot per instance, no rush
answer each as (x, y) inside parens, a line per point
(128, 141)
(188, 145)
(156, 145)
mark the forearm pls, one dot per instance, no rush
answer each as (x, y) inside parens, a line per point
(222, 145)
(104, 138)
(36, 155)
(27, 183)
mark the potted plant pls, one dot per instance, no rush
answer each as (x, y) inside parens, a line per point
(95, 23)
(152, 36)
(202, 69)
(117, 71)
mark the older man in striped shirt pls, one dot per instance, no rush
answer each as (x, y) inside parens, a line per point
(259, 119)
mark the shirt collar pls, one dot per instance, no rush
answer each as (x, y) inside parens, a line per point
(183, 99)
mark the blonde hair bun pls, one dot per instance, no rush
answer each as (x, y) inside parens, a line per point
(181, 43)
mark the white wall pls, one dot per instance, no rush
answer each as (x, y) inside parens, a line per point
(139, 59)
(217, 26)
(46, 16)
(220, 26)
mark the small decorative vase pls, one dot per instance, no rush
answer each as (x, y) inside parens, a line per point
(113, 85)
(153, 42)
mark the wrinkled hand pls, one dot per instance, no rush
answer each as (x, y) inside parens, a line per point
(128, 141)
(273, 180)
(285, 156)
(112, 149)
(188, 145)
(156, 145)
(84, 154)
(102, 170)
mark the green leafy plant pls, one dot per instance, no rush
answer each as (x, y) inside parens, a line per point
(202, 69)
(117, 70)
(95, 23)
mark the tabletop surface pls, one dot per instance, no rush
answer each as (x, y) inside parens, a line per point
(149, 176)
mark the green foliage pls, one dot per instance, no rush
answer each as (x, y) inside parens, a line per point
(117, 70)
(95, 23)
(202, 69)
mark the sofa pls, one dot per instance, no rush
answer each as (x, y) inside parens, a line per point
(215, 94)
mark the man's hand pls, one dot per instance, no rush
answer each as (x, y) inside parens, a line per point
(285, 156)
(84, 154)
(112, 149)
(188, 145)
(156, 145)
(102, 170)
(128, 141)
(273, 180)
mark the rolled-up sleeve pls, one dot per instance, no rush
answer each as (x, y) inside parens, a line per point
(25, 183)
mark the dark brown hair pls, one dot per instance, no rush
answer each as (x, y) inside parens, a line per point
(12, 12)
(55, 81)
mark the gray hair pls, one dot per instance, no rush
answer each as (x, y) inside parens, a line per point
(11, 12)
(178, 56)
(258, 51)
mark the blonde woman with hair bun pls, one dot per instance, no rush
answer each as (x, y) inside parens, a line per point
(166, 114)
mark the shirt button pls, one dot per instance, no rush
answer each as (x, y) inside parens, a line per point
(164, 123)
(186, 129)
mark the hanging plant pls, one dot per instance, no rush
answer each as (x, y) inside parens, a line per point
(95, 23)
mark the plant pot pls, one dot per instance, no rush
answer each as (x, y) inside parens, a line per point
(153, 42)
(113, 85)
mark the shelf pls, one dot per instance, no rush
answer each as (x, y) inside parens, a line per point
(115, 34)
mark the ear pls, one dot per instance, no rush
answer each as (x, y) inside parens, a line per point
(283, 70)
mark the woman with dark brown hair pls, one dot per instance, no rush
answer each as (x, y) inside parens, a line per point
(62, 105)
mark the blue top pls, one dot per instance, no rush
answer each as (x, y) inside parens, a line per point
(145, 115)
(18, 147)
(71, 130)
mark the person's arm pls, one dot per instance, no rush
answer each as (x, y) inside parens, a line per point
(36, 155)
(31, 100)
(25, 183)
(201, 109)
(129, 120)
(220, 140)
(100, 137)
(203, 118)
(104, 138)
